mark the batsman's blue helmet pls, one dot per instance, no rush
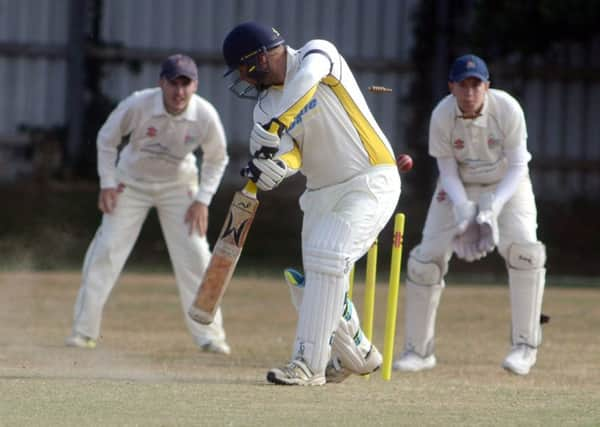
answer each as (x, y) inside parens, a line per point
(247, 40)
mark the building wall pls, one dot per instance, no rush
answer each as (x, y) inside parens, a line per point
(376, 37)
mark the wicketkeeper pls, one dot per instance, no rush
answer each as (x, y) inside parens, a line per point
(483, 200)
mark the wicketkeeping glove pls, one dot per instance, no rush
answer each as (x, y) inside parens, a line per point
(463, 215)
(487, 218)
(266, 173)
(263, 144)
(466, 245)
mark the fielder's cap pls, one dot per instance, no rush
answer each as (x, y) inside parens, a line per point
(468, 66)
(246, 40)
(179, 66)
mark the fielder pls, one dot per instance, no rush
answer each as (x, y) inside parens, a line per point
(483, 200)
(311, 116)
(157, 168)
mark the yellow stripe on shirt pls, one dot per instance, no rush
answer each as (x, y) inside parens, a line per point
(290, 114)
(374, 145)
(293, 158)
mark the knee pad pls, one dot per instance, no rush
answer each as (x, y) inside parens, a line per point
(327, 248)
(526, 256)
(424, 272)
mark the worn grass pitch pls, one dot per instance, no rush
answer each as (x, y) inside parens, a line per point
(146, 370)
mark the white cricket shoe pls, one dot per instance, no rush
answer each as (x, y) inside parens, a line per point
(215, 346)
(81, 341)
(411, 362)
(297, 372)
(336, 373)
(520, 359)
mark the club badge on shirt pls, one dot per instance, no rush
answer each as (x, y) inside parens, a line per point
(151, 132)
(459, 144)
(493, 142)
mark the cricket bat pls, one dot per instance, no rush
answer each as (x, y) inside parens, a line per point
(225, 255)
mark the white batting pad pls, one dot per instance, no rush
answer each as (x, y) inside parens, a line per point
(527, 256)
(295, 282)
(421, 304)
(526, 293)
(350, 344)
(326, 266)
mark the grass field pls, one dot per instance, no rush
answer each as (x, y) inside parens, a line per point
(146, 370)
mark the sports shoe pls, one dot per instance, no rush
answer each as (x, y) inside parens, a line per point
(293, 277)
(215, 346)
(297, 372)
(411, 362)
(520, 359)
(335, 372)
(81, 341)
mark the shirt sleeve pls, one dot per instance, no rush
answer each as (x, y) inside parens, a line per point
(214, 159)
(314, 66)
(515, 127)
(450, 181)
(118, 125)
(289, 152)
(439, 135)
(517, 168)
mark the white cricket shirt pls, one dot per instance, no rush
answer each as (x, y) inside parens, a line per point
(326, 115)
(161, 146)
(479, 145)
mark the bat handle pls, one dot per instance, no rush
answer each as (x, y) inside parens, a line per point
(250, 189)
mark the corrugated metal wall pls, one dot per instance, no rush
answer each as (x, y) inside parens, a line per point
(32, 82)
(363, 31)
(376, 37)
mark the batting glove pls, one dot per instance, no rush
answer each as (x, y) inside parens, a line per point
(463, 215)
(263, 144)
(487, 218)
(267, 173)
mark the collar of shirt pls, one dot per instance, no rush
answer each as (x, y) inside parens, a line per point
(480, 120)
(158, 109)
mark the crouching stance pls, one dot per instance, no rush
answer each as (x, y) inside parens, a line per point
(483, 200)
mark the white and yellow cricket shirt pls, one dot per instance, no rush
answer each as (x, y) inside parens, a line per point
(334, 135)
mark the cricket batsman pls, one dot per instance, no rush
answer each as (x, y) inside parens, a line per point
(310, 116)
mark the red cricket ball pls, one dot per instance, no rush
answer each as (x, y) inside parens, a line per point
(404, 162)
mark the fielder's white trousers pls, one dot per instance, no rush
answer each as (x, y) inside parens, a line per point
(115, 238)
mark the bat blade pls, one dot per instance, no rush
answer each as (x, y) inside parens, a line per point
(225, 256)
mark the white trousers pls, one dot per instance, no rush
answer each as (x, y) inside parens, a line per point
(115, 238)
(365, 202)
(517, 224)
(361, 207)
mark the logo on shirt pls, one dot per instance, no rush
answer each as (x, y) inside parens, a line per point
(441, 196)
(492, 142)
(151, 132)
(459, 144)
(189, 140)
(298, 119)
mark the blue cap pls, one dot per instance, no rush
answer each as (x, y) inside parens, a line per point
(468, 66)
(246, 40)
(179, 66)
